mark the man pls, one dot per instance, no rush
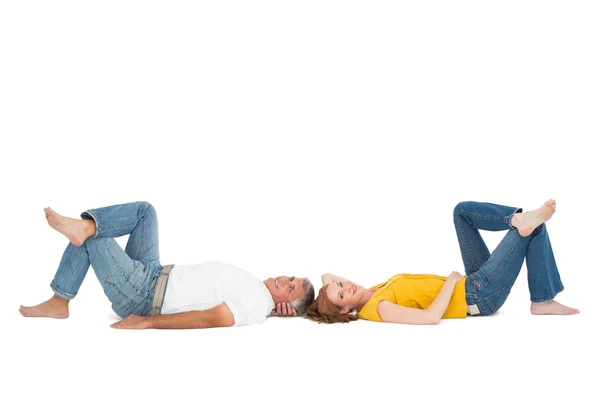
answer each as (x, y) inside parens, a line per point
(147, 294)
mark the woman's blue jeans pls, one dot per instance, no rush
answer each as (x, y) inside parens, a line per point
(127, 277)
(490, 277)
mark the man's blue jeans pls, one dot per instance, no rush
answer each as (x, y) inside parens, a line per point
(490, 277)
(127, 277)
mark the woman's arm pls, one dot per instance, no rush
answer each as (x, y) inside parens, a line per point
(326, 279)
(390, 312)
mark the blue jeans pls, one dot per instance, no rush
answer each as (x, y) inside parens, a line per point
(127, 277)
(490, 277)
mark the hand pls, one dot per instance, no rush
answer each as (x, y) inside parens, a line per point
(285, 310)
(455, 276)
(132, 322)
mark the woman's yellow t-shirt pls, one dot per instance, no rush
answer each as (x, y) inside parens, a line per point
(416, 291)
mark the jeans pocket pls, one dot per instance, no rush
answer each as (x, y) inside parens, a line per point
(497, 299)
(121, 303)
(473, 298)
(141, 279)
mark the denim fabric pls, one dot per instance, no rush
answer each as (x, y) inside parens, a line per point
(490, 277)
(127, 277)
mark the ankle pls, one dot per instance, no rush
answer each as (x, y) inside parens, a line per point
(58, 301)
(515, 221)
(89, 228)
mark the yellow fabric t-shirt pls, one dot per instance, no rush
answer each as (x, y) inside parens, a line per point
(416, 291)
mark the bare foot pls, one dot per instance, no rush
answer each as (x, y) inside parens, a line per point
(76, 230)
(552, 307)
(528, 221)
(56, 307)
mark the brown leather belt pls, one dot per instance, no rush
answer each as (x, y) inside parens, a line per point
(159, 292)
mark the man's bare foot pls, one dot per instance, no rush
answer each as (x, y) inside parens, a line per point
(552, 307)
(528, 221)
(56, 307)
(76, 230)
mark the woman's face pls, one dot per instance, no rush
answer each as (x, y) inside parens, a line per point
(344, 294)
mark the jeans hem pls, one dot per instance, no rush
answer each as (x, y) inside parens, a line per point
(517, 211)
(549, 298)
(60, 293)
(89, 214)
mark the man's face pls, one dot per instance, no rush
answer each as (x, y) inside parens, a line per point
(285, 289)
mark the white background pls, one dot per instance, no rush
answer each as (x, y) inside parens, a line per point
(299, 138)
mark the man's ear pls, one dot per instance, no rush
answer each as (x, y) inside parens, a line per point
(344, 311)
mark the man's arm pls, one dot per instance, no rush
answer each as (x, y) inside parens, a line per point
(218, 316)
(284, 310)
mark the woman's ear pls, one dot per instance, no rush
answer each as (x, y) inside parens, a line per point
(344, 311)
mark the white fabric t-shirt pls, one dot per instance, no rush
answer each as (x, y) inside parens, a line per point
(206, 285)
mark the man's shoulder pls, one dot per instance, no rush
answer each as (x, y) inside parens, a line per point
(222, 271)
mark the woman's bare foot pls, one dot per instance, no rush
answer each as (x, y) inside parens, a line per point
(552, 307)
(528, 221)
(56, 307)
(76, 230)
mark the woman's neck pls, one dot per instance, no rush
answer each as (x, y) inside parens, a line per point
(364, 298)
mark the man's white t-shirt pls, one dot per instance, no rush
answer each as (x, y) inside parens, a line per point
(206, 285)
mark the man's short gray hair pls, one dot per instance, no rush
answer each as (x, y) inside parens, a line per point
(302, 303)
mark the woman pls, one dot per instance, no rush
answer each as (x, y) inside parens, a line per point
(425, 299)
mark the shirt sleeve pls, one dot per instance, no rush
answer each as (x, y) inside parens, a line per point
(247, 309)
